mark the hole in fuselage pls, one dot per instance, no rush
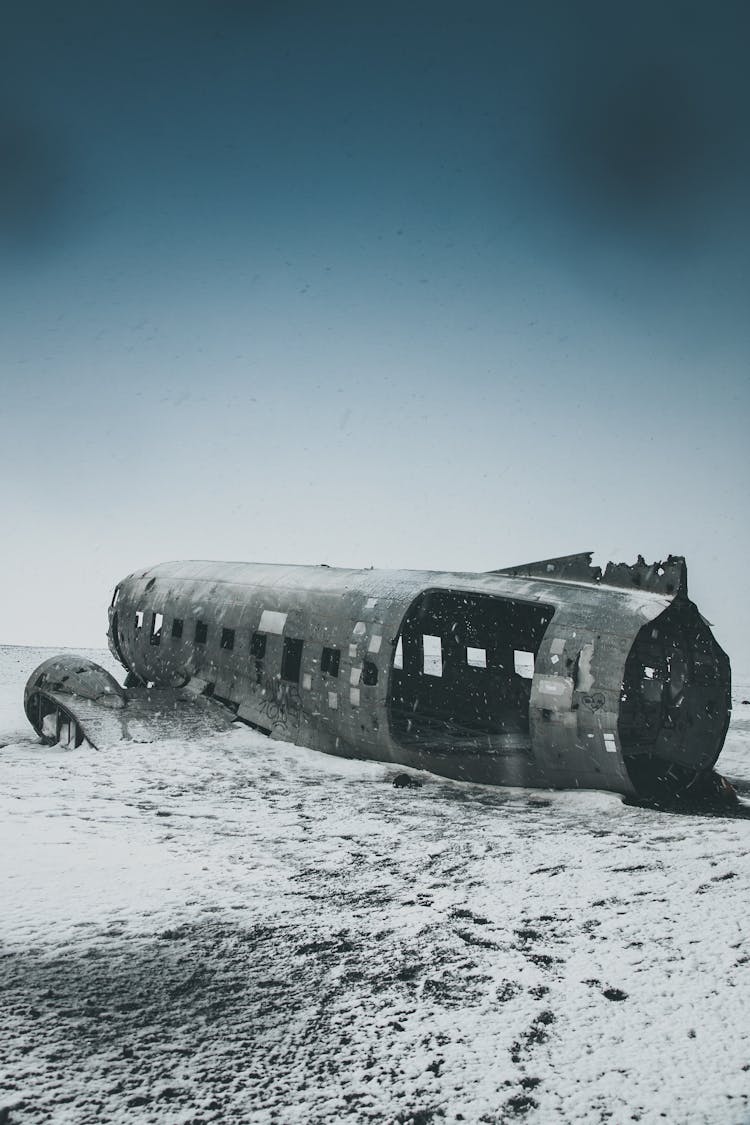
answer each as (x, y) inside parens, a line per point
(675, 703)
(461, 675)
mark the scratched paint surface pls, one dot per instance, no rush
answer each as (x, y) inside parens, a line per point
(243, 930)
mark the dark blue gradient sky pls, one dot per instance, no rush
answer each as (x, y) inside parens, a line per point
(434, 286)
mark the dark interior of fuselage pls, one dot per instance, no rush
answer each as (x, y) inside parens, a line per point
(675, 702)
(461, 678)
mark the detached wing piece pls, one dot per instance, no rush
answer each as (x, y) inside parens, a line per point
(70, 700)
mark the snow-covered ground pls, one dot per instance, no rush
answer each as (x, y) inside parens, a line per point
(247, 931)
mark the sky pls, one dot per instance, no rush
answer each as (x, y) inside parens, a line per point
(442, 286)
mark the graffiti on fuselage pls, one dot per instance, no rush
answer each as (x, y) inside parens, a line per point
(281, 704)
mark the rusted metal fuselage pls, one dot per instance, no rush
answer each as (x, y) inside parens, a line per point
(550, 674)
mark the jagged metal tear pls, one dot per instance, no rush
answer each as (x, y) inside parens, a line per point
(668, 577)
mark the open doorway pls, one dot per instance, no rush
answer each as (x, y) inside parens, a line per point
(462, 670)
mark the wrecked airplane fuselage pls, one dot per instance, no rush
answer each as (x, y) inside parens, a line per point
(550, 674)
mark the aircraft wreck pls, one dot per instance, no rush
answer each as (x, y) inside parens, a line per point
(551, 674)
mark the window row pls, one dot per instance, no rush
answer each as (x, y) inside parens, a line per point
(291, 656)
(433, 658)
(432, 651)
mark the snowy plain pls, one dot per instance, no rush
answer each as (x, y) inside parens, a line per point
(247, 931)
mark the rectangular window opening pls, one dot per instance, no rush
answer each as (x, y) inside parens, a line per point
(369, 673)
(139, 619)
(398, 656)
(258, 652)
(329, 662)
(476, 657)
(157, 621)
(523, 663)
(201, 632)
(432, 655)
(177, 627)
(227, 639)
(291, 659)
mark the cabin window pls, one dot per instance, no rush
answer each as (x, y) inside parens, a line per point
(115, 596)
(227, 639)
(398, 656)
(329, 661)
(432, 655)
(291, 659)
(476, 657)
(139, 619)
(523, 664)
(177, 627)
(369, 673)
(258, 652)
(201, 632)
(157, 621)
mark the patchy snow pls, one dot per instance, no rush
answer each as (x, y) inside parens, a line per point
(247, 931)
